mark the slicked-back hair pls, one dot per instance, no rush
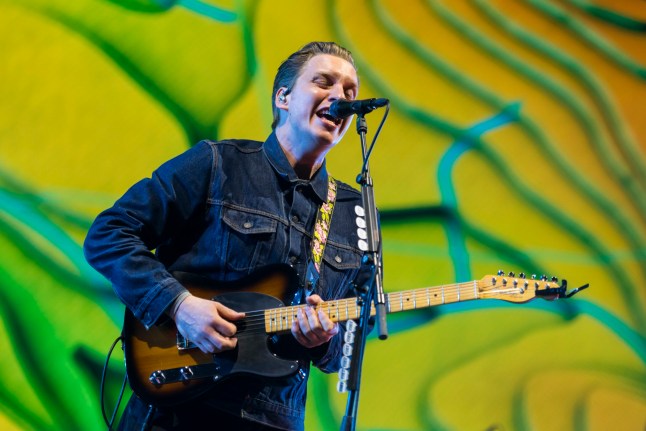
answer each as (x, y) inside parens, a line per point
(290, 69)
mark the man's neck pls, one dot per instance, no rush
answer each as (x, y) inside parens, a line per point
(305, 163)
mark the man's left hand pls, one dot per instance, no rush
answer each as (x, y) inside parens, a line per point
(312, 326)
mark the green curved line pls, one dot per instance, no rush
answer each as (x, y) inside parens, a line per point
(570, 226)
(590, 37)
(208, 10)
(610, 16)
(33, 220)
(632, 156)
(581, 417)
(35, 363)
(628, 376)
(191, 129)
(28, 195)
(145, 6)
(13, 407)
(245, 14)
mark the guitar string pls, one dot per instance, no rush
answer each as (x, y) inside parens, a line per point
(255, 320)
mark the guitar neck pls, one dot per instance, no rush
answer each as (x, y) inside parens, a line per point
(340, 310)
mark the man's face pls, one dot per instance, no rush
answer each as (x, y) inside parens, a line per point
(324, 79)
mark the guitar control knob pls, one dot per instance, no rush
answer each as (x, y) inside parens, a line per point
(157, 378)
(186, 373)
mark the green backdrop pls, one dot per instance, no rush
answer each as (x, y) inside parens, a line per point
(516, 140)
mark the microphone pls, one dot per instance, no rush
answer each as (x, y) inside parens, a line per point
(342, 108)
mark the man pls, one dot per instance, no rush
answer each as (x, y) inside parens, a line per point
(224, 209)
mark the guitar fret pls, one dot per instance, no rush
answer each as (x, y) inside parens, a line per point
(442, 294)
(333, 315)
(458, 292)
(475, 289)
(272, 320)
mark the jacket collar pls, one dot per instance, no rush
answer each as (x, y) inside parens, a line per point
(284, 170)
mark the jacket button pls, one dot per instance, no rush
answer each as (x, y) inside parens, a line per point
(247, 225)
(338, 259)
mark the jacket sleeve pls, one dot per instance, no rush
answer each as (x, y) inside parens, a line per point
(120, 242)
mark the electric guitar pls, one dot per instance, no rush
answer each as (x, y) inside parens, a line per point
(164, 368)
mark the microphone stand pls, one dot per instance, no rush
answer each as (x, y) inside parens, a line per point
(371, 290)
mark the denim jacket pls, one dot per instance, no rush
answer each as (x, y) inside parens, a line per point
(222, 210)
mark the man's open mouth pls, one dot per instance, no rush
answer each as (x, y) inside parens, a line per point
(325, 113)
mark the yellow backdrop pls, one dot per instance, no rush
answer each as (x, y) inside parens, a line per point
(516, 140)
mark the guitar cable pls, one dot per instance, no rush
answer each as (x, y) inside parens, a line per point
(110, 422)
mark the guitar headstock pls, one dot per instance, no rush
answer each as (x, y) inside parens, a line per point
(519, 288)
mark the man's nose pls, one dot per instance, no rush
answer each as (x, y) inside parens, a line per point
(337, 92)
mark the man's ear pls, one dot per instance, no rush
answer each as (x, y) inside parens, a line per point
(282, 102)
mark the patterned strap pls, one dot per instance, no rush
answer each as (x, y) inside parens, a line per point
(322, 226)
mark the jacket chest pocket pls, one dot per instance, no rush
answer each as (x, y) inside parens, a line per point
(249, 239)
(340, 267)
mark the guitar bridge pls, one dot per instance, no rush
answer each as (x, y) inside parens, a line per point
(184, 343)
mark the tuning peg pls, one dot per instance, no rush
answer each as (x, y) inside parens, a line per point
(533, 276)
(522, 275)
(544, 277)
(501, 272)
(512, 274)
(555, 279)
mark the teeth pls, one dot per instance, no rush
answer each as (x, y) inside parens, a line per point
(326, 114)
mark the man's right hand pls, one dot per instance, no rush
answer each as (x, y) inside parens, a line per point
(207, 324)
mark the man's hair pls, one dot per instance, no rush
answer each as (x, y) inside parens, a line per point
(291, 68)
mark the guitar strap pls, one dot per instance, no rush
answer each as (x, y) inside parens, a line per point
(319, 238)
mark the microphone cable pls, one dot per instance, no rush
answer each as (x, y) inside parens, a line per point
(374, 140)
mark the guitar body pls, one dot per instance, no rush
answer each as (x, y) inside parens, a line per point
(165, 369)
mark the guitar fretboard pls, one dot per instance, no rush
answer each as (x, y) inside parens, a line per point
(340, 310)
